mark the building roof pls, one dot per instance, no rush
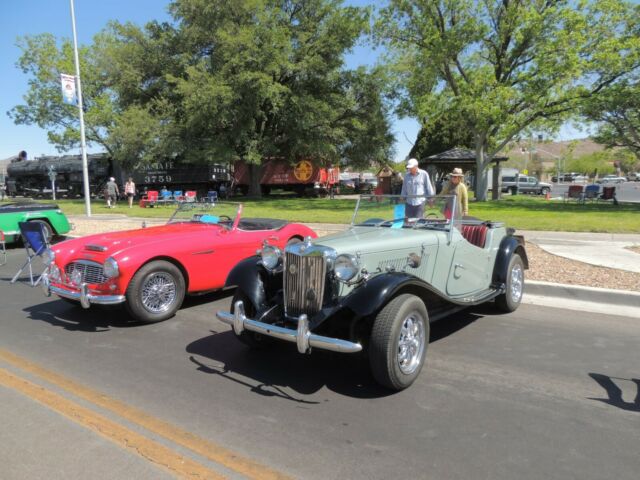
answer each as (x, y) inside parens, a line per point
(460, 155)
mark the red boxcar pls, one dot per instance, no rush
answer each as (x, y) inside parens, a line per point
(302, 177)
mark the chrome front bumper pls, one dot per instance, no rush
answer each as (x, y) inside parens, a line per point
(301, 336)
(82, 295)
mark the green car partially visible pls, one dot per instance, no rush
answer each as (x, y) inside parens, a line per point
(54, 220)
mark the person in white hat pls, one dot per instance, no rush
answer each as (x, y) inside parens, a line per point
(112, 192)
(415, 186)
(455, 186)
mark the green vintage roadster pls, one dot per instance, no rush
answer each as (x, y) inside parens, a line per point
(377, 286)
(54, 221)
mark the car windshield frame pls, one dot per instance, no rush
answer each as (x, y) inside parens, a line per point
(224, 214)
(440, 213)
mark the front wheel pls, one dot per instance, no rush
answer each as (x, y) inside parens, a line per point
(510, 300)
(155, 292)
(399, 340)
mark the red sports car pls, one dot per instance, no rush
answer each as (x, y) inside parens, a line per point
(150, 270)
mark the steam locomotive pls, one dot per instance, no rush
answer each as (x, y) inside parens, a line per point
(33, 178)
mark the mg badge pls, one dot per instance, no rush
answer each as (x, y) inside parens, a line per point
(293, 269)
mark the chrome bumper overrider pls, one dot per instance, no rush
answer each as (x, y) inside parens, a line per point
(302, 337)
(82, 295)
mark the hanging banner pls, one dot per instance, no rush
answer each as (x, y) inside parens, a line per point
(69, 89)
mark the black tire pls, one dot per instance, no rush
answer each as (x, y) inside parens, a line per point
(510, 300)
(544, 191)
(252, 340)
(387, 335)
(144, 302)
(48, 231)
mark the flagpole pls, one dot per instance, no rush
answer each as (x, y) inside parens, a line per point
(83, 146)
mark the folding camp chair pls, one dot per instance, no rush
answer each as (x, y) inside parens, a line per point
(212, 196)
(35, 242)
(190, 196)
(3, 248)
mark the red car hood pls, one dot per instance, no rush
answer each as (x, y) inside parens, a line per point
(110, 244)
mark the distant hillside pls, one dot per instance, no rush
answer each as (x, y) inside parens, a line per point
(547, 151)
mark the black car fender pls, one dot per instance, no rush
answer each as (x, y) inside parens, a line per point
(247, 276)
(377, 291)
(508, 246)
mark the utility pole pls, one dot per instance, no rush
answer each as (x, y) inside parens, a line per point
(83, 144)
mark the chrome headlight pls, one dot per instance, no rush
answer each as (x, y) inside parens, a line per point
(271, 257)
(76, 277)
(48, 256)
(110, 268)
(346, 267)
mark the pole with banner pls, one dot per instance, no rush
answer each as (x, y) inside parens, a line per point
(83, 145)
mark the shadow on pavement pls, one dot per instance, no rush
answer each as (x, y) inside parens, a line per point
(73, 317)
(615, 392)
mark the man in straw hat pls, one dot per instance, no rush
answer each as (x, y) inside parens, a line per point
(455, 186)
(416, 184)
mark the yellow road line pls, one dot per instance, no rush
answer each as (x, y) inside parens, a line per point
(143, 446)
(207, 449)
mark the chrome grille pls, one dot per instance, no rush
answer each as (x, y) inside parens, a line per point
(91, 271)
(304, 278)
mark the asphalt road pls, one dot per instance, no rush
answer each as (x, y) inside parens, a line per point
(540, 393)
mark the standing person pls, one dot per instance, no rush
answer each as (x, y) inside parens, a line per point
(222, 191)
(3, 187)
(416, 185)
(455, 186)
(130, 191)
(112, 192)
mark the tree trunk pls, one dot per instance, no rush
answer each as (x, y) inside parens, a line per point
(480, 186)
(255, 173)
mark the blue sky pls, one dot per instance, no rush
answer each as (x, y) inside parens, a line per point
(31, 17)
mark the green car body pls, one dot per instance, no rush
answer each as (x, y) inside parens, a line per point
(55, 221)
(377, 286)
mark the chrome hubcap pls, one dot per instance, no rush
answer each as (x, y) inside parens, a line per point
(158, 292)
(517, 282)
(411, 343)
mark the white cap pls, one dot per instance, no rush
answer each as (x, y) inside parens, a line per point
(112, 179)
(412, 163)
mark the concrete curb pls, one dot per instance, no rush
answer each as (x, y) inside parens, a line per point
(587, 299)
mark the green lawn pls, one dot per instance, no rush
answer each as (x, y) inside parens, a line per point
(521, 212)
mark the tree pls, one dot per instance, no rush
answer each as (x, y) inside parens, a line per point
(442, 134)
(508, 66)
(617, 113)
(254, 79)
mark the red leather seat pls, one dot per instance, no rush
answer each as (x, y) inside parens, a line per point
(475, 234)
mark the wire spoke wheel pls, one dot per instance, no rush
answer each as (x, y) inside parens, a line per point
(158, 292)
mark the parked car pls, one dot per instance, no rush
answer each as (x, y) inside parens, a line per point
(49, 215)
(565, 177)
(611, 179)
(525, 184)
(377, 286)
(150, 270)
(633, 176)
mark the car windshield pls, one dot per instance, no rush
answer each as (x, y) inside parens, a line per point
(222, 213)
(390, 211)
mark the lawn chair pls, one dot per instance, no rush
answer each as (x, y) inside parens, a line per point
(190, 196)
(177, 196)
(591, 192)
(165, 197)
(149, 199)
(212, 196)
(608, 193)
(576, 193)
(35, 242)
(3, 248)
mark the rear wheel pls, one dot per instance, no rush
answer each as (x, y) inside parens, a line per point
(155, 292)
(399, 340)
(510, 300)
(250, 339)
(545, 191)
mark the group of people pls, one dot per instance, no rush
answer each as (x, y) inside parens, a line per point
(112, 192)
(417, 184)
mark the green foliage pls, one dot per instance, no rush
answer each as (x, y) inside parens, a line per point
(507, 67)
(443, 133)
